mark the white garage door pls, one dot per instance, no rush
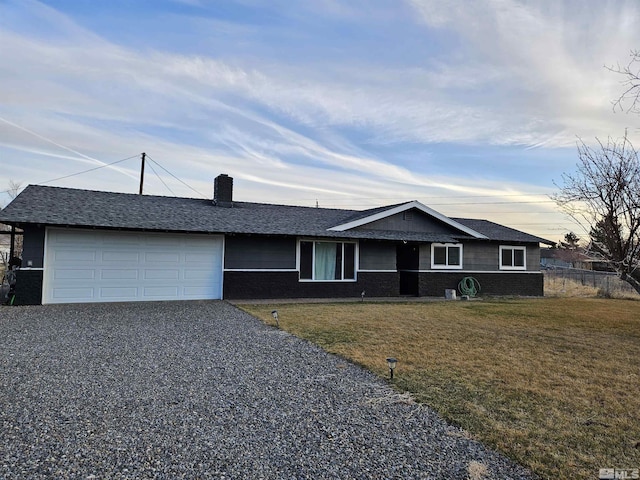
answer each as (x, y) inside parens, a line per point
(100, 266)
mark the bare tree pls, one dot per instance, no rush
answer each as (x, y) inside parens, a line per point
(630, 99)
(604, 192)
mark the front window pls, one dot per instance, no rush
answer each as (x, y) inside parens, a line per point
(513, 258)
(446, 255)
(327, 261)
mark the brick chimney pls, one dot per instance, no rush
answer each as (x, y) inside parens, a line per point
(223, 191)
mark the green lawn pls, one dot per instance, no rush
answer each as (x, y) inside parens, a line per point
(553, 383)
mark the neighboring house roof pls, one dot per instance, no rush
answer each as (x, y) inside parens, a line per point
(570, 255)
(56, 206)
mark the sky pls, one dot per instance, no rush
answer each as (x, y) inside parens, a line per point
(473, 108)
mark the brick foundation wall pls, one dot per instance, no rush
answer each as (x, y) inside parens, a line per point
(28, 287)
(254, 285)
(513, 283)
(250, 285)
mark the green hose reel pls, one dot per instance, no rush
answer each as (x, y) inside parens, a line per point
(469, 286)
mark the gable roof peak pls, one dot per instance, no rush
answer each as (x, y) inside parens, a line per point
(385, 212)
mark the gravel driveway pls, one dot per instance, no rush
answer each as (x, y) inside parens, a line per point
(203, 390)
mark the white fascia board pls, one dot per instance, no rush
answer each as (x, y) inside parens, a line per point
(404, 207)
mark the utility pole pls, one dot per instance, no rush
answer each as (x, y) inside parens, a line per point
(142, 172)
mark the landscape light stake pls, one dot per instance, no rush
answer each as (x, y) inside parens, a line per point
(274, 313)
(392, 362)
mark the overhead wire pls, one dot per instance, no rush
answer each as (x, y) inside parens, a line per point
(487, 195)
(182, 182)
(350, 205)
(86, 171)
(115, 163)
(159, 177)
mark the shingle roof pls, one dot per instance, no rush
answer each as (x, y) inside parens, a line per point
(498, 232)
(95, 209)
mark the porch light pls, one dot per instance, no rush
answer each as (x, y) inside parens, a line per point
(391, 362)
(274, 313)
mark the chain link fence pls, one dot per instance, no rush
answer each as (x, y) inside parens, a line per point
(607, 283)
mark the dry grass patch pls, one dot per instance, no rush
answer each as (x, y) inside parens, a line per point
(562, 287)
(559, 286)
(551, 382)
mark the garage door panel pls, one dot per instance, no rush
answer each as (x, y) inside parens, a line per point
(70, 293)
(119, 240)
(75, 255)
(90, 266)
(194, 292)
(197, 258)
(162, 241)
(118, 274)
(162, 275)
(161, 292)
(119, 293)
(115, 256)
(166, 257)
(61, 239)
(75, 274)
(197, 274)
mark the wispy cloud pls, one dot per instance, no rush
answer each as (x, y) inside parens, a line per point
(547, 58)
(332, 99)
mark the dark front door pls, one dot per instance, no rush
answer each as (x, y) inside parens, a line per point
(408, 264)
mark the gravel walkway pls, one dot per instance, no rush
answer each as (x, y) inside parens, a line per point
(203, 390)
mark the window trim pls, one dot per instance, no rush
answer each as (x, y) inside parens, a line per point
(435, 266)
(313, 260)
(513, 248)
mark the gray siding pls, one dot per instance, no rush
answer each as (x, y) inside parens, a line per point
(425, 256)
(533, 257)
(377, 256)
(33, 246)
(250, 252)
(418, 223)
(483, 256)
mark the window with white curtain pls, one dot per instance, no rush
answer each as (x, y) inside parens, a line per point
(327, 261)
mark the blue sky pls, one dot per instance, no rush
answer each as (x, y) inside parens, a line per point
(471, 107)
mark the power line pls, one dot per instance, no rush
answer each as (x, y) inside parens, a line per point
(89, 170)
(488, 195)
(185, 184)
(160, 178)
(536, 202)
(457, 204)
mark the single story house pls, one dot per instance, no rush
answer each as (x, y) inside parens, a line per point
(93, 246)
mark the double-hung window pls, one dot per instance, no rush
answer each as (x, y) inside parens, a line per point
(513, 258)
(327, 261)
(446, 255)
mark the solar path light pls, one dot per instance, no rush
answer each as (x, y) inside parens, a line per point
(274, 313)
(391, 362)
